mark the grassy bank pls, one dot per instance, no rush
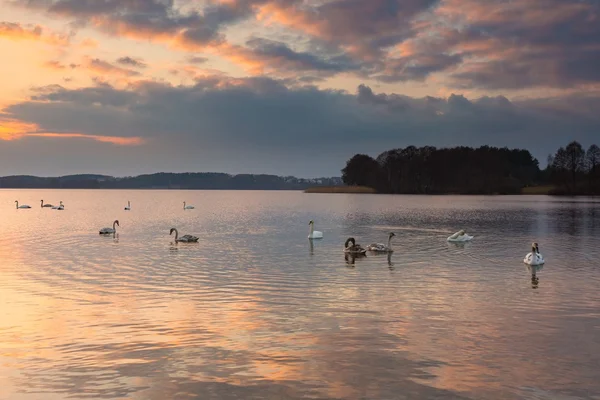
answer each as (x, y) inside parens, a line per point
(547, 189)
(340, 189)
(531, 190)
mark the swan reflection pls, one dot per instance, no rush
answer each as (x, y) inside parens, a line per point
(459, 245)
(351, 257)
(533, 270)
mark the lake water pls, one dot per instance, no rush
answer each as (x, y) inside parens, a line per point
(254, 310)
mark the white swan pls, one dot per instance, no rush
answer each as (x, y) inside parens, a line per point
(382, 248)
(46, 205)
(355, 249)
(187, 207)
(105, 231)
(534, 258)
(184, 238)
(59, 207)
(460, 236)
(314, 234)
(128, 207)
(23, 206)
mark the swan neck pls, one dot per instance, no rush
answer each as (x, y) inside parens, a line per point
(176, 234)
(390, 242)
(312, 228)
(115, 226)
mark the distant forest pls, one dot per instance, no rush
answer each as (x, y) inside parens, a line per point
(572, 170)
(205, 180)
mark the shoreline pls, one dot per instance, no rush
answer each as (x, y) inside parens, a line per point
(341, 189)
(542, 190)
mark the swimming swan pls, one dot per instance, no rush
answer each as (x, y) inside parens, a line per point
(534, 258)
(382, 248)
(314, 234)
(128, 206)
(46, 205)
(460, 236)
(105, 231)
(184, 238)
(59, 207)
(23, 206)
(354, 248)
(187, 207)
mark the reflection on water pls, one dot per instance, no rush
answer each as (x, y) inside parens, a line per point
(533, 270)
(249, 313)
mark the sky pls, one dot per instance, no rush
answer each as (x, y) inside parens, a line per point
(288, 87)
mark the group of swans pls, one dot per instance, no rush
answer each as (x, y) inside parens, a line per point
(351, 247)
(62, 207)
(185, 207)
(184, 238)
(25, 206)
(534, 258)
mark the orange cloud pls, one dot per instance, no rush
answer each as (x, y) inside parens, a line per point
(122, 141)
(16, 31)
(13, 130)
(240, 56)
(291, 17)
(89, 43)
(57, 65)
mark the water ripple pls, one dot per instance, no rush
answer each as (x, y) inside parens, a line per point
(255, 310)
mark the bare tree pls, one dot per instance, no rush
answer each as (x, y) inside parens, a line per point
(592, 164)
(575, 161)
(592, 159)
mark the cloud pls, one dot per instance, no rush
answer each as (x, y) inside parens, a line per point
(262, 125)
(465, 44)
(57, 65)
(197, 60)
(11, 129)
(363, 27)
(156, 20)
(132, 62)
(511, 45)
(104, 67)
(17, 31)
(122, 141)
(269, 56)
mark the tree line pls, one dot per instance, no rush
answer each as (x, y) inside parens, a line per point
(200, 180)
(483, 170)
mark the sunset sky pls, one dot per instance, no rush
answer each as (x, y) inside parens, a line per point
(124, 87)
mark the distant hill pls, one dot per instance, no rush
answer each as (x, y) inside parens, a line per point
(188, 180)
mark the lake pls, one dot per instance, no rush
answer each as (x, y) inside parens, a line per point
(254, 310)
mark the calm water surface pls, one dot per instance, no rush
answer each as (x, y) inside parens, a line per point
(254, 310)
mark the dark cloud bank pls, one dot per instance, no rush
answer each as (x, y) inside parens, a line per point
(264, 125)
